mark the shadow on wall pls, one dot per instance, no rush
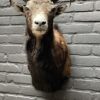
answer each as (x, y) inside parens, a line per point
(60, 95)
(63, 94)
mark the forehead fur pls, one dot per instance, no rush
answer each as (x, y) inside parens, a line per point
(39, 3)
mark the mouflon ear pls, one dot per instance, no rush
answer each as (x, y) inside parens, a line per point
(59, 9)
(17, 6)
(20, 8)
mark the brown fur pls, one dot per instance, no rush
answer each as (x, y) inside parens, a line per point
(50, 63)
(47, 54)
(59, 39)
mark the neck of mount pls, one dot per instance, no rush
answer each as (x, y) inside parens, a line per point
(45, 41)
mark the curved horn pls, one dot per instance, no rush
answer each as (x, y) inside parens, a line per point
(25, 0)
(54, 1)
(18, 1)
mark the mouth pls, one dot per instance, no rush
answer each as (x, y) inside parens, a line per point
(40, 29)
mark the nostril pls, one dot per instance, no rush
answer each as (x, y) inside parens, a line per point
(36, 22)
(40, 23)
(43, 23)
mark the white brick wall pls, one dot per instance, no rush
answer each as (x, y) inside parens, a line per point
(81, 27)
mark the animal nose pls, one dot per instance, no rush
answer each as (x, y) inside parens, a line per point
(40, 23)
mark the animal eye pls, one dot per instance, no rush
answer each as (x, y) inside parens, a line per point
(53, 10)
(26, 8)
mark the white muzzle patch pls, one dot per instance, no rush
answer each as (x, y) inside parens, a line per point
(39, 22)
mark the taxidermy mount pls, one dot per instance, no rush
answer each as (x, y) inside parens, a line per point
(47, 52)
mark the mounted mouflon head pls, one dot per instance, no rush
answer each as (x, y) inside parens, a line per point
(40, 14)
(47, 52)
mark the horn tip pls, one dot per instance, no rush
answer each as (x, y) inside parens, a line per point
(54, 1)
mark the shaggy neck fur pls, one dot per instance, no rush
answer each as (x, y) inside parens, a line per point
(45, 42)
(47, 74)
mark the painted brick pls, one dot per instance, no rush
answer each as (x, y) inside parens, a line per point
(16, 97)
(12, 29)
(4, 20)
(96, 96)
(8, 11)
(90, 84)
(30, 91)
(63, 18)
(17, 78)
(88, 17)
(1, 96)
(17, 20)
(97, 27)
(4, 3)
(2, 77)
(97, 72)
(83, 84)
(3, 39)
(80, 24)
(68, 38)
(10, 68)
(83, 72)
(97, 7)
(78, 95)
(80, 49)
(9, 88)
(12, 49)
(86, 39)
(95, 85)
(96, 50)
(16, 39)
(80, 7)
(86, 60)
(17, 58)
(76, 27)
(3, 58)
(25, 69)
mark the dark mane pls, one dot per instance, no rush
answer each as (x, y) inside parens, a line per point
(43, 66)
(49, 62)
(56, 27)
(48, 56)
